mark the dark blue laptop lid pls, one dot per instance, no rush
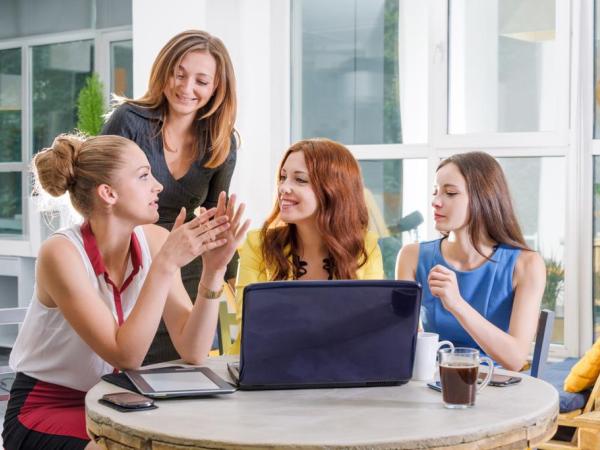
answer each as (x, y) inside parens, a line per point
(328, 333)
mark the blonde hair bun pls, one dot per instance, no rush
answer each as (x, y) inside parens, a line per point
(55, 166)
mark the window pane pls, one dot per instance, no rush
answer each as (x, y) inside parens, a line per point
(20, 18)
(396, 195)
(359, 70)
(59, 73)
(11, 210)
(502, 66)
(10, 105)
(121, 68)
(538, 191)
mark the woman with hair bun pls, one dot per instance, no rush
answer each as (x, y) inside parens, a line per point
(317, 229)
(102, 287)
(482, 285)
(185, 125)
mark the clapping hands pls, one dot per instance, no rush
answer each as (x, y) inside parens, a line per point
(216, 258)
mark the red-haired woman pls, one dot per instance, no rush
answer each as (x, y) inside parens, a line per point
(317, 229)
(482, 285)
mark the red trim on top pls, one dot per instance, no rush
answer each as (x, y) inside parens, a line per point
(53, 409)
(91, 248)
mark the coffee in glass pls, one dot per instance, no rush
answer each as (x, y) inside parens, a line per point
(459, 368)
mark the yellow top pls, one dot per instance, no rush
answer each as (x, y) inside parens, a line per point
(252, 270)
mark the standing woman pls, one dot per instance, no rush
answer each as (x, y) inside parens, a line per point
(317, 229)
(482, 285)
(185, 125)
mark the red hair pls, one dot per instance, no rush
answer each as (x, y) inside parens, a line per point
(342, 218)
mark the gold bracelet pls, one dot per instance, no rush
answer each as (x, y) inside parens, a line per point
(207, 293)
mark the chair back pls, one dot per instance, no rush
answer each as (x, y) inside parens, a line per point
(226, 319)
(542, 342)
(9, 316)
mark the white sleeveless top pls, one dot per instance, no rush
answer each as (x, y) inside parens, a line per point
(48, 348)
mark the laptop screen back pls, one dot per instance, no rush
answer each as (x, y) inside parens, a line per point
(328, 333)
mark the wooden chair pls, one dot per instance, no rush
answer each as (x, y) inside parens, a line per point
(227, 312)
(586, 422)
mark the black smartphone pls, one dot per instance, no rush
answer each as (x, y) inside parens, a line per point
(436, 386)
(500, 380)
(129, 400)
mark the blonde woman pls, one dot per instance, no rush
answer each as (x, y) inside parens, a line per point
(102, 287)
(185, 125)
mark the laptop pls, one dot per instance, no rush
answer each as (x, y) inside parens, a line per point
(322, 334)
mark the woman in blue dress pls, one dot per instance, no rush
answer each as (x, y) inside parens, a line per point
(482, 284)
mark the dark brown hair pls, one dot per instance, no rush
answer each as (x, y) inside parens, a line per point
(490, 206)
(341, 216)
(219, 112)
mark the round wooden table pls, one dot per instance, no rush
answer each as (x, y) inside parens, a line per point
(400, 417)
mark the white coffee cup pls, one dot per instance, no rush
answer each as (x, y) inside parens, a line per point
(428, 344)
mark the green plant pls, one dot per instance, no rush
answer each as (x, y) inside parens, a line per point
(90, 106)
(555, 276)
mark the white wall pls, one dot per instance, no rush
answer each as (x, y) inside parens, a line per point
(256, 34)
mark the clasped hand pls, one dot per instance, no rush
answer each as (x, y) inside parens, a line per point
(443, 284)
(187, 241)
(217, 257)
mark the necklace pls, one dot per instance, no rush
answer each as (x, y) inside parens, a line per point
(166, 145)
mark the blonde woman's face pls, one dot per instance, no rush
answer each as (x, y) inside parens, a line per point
(192, 84)
(136, 188)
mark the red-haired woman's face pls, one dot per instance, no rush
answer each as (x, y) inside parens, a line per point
(192, 84)
(450, 199)
(297, 199)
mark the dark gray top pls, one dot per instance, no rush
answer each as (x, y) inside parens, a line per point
(200, 186)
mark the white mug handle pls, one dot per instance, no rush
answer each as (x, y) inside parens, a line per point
(490, 364)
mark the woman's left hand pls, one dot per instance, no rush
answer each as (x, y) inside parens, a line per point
(442, 284)
(217, 259)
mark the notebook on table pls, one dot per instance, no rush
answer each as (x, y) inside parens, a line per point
(308, 334)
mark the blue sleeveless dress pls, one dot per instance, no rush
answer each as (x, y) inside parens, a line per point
(488, 289)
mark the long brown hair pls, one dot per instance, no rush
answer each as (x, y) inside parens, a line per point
(78, 165)
(490, 206)
(341, 215)
(219, 112)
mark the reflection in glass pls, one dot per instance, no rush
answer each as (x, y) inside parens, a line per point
(502, 66)
(121, 68)
(396, 196)
(59, 73)
(11, 205)
(10, 105)
(537, 186)
(359, 70)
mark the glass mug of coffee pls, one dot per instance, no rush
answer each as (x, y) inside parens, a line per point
(459, 369)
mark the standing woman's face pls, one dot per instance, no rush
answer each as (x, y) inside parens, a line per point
(192, 84)
(450, 199)
(297, 199)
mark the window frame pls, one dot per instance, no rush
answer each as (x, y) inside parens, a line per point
(27, 244)
(558, 143)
